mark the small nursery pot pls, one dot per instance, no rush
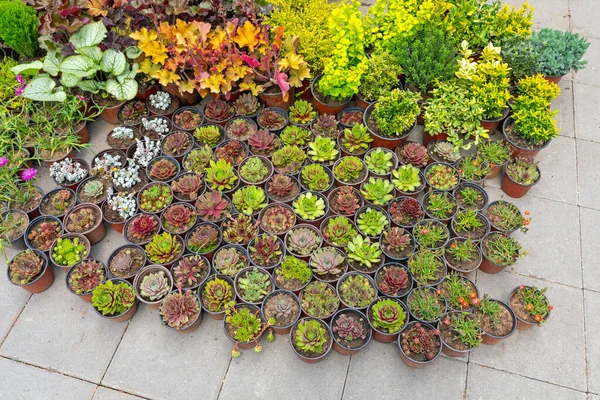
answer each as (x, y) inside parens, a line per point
(272, 267)
(513, 188)
(46, 200)
(134, 124)
(382, 141)
(192, 109)
(220, 314)
(280, 330)
(127, 315)
(185, 98)
(490, 125)
(244, 147)
(83, 240)
(247, 120)
(201, 144)
(331, 108)
(153, 135)
(132, 275)
(339, 284)
(139, 277)
(48, 162)
(474, 186)
(165, 113)
(364, 174)
(114, 152)
(179, 157)
(98, 202)
(413, 315)
(518, 150)
(275, 204)
(314, 222)
(494, 228)
(139, 196)
(331, 195)
(362, 103)
(316, 358)
(156, 159)
(394, 161)
(362, 210)
(116, 224)
(488, 338)
(488, 266)
(368, 331)
(87, 297)
(158, 231)
(349, 110)
(122, 144)
(410, 361)
(433, 187)
(428, 137)
(209, 254)
(42, 282)
(82, 131)
(311, 227)
(109, 113)
(448, 349)
(266, 162)
(241, 249)
(277, 110)
(244, 345)
(190, 208)
(435, 222)
(34, 211)
(145, 90)
(178, 196)
(33, 224)
(241, 275)
(476, 240)
(287, 200)
(275, 99)
(444, 221)
(475, 265)
(554, 78)
(523, 324)
(382, 336)
(407, 225)
(402, 295)
(192, 325)
(97, 232)
(20, 242)
(75, 185)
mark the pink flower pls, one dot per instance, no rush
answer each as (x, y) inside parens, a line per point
(3, 161)
(20, 79)
(281, 79)
(19, 90)
(29, 174)
(83, 98)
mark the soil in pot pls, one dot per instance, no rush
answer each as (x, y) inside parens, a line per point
(471, 197)
(458, 264)
(177, 144)
(453, 286)
(436, 304)
(122, 137)
(173, 105)
(283, 307)
(83, 220)
(475, 233)
(392, 252)
(451, 339)
(58, 202)
(216, 292)
(155, 130)
(272, 119)
(331, 105)
(513, 137)
(162, 169)
(93, 190)
(143, 181)
(350, 329)
(178, 218)
(31, 204)
(502, 324)
(126, 261)
(504, 216)
(521, 311)
(393, 280)
(361, 177)
(293, 283)
(246, 295)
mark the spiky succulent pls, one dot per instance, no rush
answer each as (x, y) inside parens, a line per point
(378, 191)
(346, 200)
(163, 170)
(363, 252)
(188, 186)
(414, 154)
(266, 251)
(249, 199)
(303, 241)
(93, 189)
(296, 136)
(85, 276)
(155, 286)
(302, 112)
(212, 206)
(189, 270)
(395, 280)
(395, 239)
(372, 222)
(289, 159)
(125, 261)
(254, 170)
(187, 119)
(179, 309)
(356, 140)
(348, 327)
(418, 340)
(327, 261)
(326, 126)
(197, 160)
(309, 206)
(271, 120)
(349, 169)
(322, 150)
(232, 151)
(264, 143)
(280, 185)
(310, 336)
(218, 110)
(319, 300)
(209, 135)
(246, 104)
(113, 298)
(446, 152)
(281, 307)
(277, 219)
(203, 239)
(339, 231)
(216, 294)
(241, 128)
(356, 291)
(254, 285)
(388, 316)
(406, 178)
(176, 143)
(179, 217)
(163, 248)
(315, 178)
(141, 226)
(240, 229)
(220, 175)
(229, 261)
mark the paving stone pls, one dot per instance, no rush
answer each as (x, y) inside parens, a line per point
(554, 352)
(589, 75)
(24, 382)
(587, 118)
(552, 242)
(590, 251)
(564, 104)
(12, 301)
(490, 384)
(103, 393)
(277, 373)
(150, 356)
(592, 319)
(584, 17)
(58, 330)
(377, 372)
(589, 184)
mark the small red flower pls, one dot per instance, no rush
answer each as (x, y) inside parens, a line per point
(526, 212)
(530, 307)
(475, 162)
(461, 300)
(475, 301)
(424, 231)
(550, 308)
(526, 222)
(453, 245)
(473, 295)
(521, 287)
(439, 292)
(446, 321)
(538, 318)
(492, 165)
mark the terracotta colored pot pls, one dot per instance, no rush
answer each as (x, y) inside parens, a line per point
(143, 94)
(496, 169)
(215, 315)
(83, 133)
(380, 141)
(304, 92)
(343, 349)
(127, 315)
(85, 297)
(553, 79)
(109, 114)
(361, 103)
(74, 186)
(82, 238)
(42, 282)
(427, 138)
(324, 108)
(516, 149)
(491, 339)
(491, 124)
(513, 188)
(98, 231)
(276, 99)
(137, 280)
(384, 337)
(49, 163)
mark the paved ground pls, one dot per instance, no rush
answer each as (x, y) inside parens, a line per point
(52, 346)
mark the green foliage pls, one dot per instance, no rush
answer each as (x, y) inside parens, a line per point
(216, 294)
(178, 309)
(491, 309)
(440, 204)
(315, 177)
(442, 177)
(521, 56)
(501, 249)
(249, 199)
(294, 135)
(319, 300)
(310, 336)
(357, 139)
(254, 285)
(524, 171)
(209, 135)
(372, 222)
(396, 112)
(294, 268)
(462, 250)
(425, 265)
(356, 291)
(289, 159)
(505, 216)
(494, 153)
(378, 191)
(68, 251)
(559, 51)
(426, 304)
(535, 301)
(163, 248)
(388, 316)
(220, 175)
(472, 169)
(155, 198)
(363, 252)
(465, 327)
(254, 170)
(430, 233)
(113, 298)
(348, 170)
(229, 261)
(18, 27)
(8, 84)
(322, 150)
(309, 206)
(339, 231)
(302, 112)
(379, 161)
(245, 324)
(470, 196)
(406, 178)
(380, 77)
(455, 288)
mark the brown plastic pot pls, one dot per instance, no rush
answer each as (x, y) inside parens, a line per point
(47, 195)
(427, 137)
(191, 327)
(185, 98)
(140, 276)
(35, 211)
(109, 114)
(220, 315)
(516, 149)
(116, 225)
(380, 141)
(75, 185)
(83, 239)
(490, 125)
(19, 243)
(491, 339)
(553, 79)
(165, 113)
(242, 274)
(146, 91)
(87, 297)
(522, 324)
(513, 188)
(311, 360)
(340, 348)
(244, 345)
(325, 108)
(414, 363)
(127, 315)
(487, 265)
(98, 231)
(341, 280)
(298, 226)
(83, 133)
(275, 99)
(495, 170)
(360, 102)
(447, 349)
(384, 337)
(39, 284)
(33, 224)
(280, 330)
(209, 255)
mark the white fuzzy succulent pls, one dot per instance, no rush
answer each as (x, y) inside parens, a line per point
(145, 151)
(67, 171)
(122, 133)
(158, 125)
(160, 100)
(127, 177)
(123, 204)
(105, 164)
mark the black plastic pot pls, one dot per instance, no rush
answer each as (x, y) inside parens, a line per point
(281, 330)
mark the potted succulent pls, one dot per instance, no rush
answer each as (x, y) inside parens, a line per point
(93, 190)
(530, 305)
(470, 224)
(426, 305)
(495, 154)
(392, 118)
(266, 251)
(162, 169)
(470, 196)
(190, 271)
(283, 307)
(302, 240)
(444, 152)
(155, 197)
(221, 176)
(282, 188)
(253, 284)
(240, 128)
(350, 171)
(178, 218)
(126, 261)
(115, 300)
(473, 170)
(351, 332)
(302, 113)
(431, 234)
(462, 255)
(272, 119)
(13, 230)
(337, 231)
(248, 105)
(197, 160)
(187, 187)
(277, 218)
(498, 320)
(408, 181)
(505, 217)
(345, 200)
(69, 173)
(350, 116)
(427, 267)
(396, 243)
(310, 208)
(30, 270)
(215, 294)
(155, 128)
(209, 135)
(69, 249)
(141, 228)
(164, 249)
(460, 333)
(499, 251)
(377, 191)
(293, 274)
(420, 344)
(405, 212)
(119, 208)
(152, 284)
(229, 260)
(130, 179)
(57, 202)
(131, 113)
(441, 176)
(162, 103)
(460, 292)
(255, 170)
(244, 327)
(440, 205)
(177, 145)
(311, 339)
(328, 264)
(289, 160)
(187, 118)
(363, 255)
(180, 310)
(142, 152)
(86, 219)
(239, 229)
(393, 280)
(213, 206)
(381, 162)
(520, 175)
(323, 150)
(412, 153)
(356, 290)
(294, 135)
(218, 111)
(316, 178)
(232, 151)
(84, 277)
(105, 163)
(122, 137)
(319, 300)
(264, 143)
(41, 232)
(387, 317)
(355, 141)
(371, 221)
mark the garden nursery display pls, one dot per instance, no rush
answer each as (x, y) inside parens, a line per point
(260, 169)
